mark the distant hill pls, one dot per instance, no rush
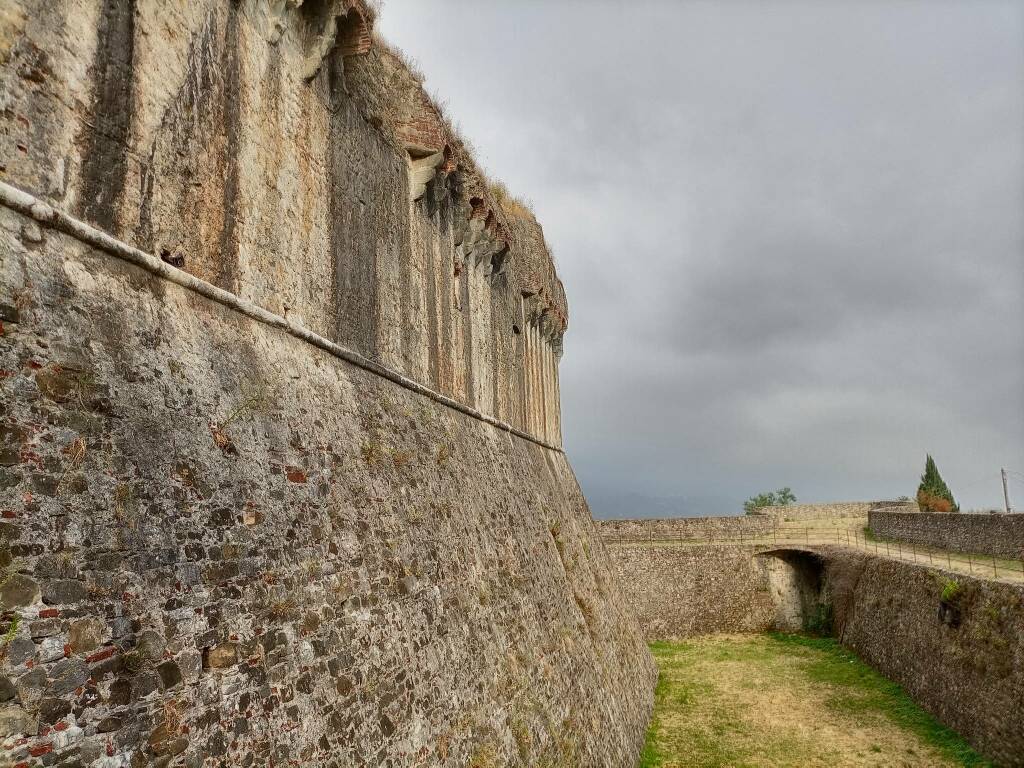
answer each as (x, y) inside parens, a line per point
(614, 505)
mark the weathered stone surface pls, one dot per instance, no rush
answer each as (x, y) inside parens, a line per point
(206, 485)
(67, 675)
(63, 591)
(222, 656)
(7, 689)
(969, 675)
(988, 534)
(18, 591)
(407, 579)
(685, 590)
(14, 720)
(87, 634)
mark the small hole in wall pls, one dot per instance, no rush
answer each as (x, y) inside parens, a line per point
(515, 329)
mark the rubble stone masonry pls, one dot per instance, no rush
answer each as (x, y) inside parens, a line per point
(335, 528)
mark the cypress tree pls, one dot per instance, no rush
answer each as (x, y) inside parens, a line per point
(933, 495)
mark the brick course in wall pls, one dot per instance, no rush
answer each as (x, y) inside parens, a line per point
(986, 534)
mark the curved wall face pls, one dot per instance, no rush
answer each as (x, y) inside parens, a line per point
(224, 546)
(273, 149)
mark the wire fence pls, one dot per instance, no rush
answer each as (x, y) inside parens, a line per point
(980, 565)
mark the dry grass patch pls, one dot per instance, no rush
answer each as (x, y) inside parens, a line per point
(785, 700)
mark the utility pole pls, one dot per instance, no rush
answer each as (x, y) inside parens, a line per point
(1006, 493)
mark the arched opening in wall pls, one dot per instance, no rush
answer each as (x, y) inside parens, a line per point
(796, 584)
(329, 34)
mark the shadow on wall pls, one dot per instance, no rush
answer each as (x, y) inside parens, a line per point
(796, 585)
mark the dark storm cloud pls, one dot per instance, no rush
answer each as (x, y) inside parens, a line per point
(792, 234)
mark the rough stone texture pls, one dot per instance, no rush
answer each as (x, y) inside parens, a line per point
(970, 675)
(270, 148)
(816, 511)
(987, 534)
(342, 573)
(681, 591)
(700, 528)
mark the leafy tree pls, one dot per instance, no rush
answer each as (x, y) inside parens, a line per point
(933, 495)
(779, 498)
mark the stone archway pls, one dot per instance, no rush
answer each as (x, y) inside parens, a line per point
(795, 582)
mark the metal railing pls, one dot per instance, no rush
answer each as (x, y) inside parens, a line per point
(988, 566)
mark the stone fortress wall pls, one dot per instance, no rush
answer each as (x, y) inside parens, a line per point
(281, 152)
(227, 536)
(968, 675)
(985, 534)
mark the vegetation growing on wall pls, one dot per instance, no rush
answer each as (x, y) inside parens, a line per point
(933, 495)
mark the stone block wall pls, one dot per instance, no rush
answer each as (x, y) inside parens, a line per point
(681, 591)
(223, 545)
(699, 528)
(281, 152)
(969, 674)
(986, 534)
(812, 511)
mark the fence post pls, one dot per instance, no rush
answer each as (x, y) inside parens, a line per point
(995, 573)
(949, 563)
(970, 562)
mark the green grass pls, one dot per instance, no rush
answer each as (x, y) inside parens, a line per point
(859, 689)
(786, 700)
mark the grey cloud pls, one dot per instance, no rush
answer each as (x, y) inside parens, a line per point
(792, 233)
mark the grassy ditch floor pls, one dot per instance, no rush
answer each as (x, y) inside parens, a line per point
(786, 700)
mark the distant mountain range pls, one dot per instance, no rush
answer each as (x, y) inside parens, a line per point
(613, 505)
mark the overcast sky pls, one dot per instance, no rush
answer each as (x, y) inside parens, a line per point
(791, 233)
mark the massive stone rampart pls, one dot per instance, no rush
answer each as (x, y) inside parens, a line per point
(223, 542)
(280, 151)
(291, 492)
(987, 534)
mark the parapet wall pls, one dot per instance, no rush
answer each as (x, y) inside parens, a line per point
(221, 542)
(811, 511)
(986, 534)
(685, 528)
(282, 152)
(289, 491)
